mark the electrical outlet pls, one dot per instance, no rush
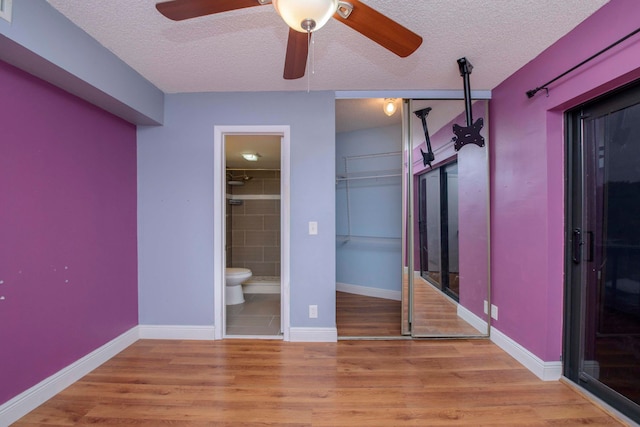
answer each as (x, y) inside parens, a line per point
(313, 312)
(486, 307)
(494, 312)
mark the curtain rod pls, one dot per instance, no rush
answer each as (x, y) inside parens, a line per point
(532, 92)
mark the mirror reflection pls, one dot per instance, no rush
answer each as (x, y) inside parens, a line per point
(449, 205)
(397, 213)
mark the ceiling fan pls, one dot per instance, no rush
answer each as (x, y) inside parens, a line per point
(305, 17)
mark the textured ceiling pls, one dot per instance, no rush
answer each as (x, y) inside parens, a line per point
(244, 50)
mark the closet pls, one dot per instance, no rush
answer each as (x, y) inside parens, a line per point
(413, 231)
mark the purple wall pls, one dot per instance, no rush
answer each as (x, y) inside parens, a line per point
(68, 256)
(472, 207)
(527, 149)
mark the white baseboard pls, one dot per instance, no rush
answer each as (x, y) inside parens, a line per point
(176, 332)
(472, 319)
(369, 292)
(546, 371)
(313, 334)
(30, 399)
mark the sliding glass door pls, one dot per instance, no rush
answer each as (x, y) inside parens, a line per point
(603, 290)
(438, 225)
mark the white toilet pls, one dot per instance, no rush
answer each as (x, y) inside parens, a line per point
(233, 284)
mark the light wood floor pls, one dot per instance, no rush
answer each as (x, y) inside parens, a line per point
(362, 316)
(349, 383)
(433, 315)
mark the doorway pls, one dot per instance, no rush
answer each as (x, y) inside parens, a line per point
(603, 249)
(251, 231)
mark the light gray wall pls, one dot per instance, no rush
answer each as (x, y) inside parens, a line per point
(375, 209)
(176, 206)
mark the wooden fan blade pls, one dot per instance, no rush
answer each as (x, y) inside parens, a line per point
(295, 62)
(381, 29)
(185, 9)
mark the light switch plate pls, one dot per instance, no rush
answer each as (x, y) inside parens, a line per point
(313, 228)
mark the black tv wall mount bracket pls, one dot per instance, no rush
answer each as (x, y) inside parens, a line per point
(427, 157)
(469, 134)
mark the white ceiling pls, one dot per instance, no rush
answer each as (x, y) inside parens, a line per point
(244, 50)
(367, 113)
(355, 114)
(267, 147)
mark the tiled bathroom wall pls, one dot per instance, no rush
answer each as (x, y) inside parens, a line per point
(253, 228)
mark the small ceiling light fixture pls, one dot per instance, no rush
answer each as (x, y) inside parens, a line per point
(306, 16)
(389, 106)
(252, 157)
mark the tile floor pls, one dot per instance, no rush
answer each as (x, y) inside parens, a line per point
(258, 315)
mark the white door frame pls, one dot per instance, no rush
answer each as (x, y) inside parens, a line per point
(219, 229)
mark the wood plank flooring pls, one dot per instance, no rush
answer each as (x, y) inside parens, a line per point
(433, 315)
(349, 383)
(362, 316)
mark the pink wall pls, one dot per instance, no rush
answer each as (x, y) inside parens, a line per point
(472, 206)
(68, 257)
(527, 156)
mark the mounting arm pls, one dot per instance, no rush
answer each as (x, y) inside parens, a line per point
(427, 157)
(471, 133)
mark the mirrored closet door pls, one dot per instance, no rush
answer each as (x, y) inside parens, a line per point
(412, 255)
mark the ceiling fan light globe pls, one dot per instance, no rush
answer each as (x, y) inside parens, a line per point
(299, 13)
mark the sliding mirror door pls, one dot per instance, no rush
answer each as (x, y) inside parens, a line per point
(446, 232)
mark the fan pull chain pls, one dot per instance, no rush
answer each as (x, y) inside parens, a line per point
(313, 56)
(309, 62)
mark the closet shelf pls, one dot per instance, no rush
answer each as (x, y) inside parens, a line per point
(344, 238)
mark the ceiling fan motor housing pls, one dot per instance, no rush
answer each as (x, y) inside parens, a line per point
(307, 16)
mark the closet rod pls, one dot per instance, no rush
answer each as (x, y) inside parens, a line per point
(367, 177)
(360, 236)
(369, 156)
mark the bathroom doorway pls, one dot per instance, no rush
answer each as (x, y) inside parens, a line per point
(252, 226)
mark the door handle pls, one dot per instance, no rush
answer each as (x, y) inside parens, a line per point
(577, 246)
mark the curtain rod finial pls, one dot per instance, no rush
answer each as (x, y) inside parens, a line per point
(531, 93)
